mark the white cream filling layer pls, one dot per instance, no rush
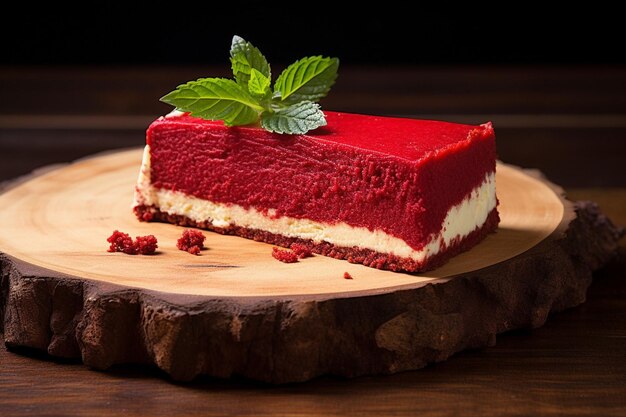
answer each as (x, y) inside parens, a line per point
(460, 221)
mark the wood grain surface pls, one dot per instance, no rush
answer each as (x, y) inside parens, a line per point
(60, 221)
(60, 295)
(574, 365)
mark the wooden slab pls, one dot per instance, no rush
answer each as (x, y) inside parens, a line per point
(235, 310)
(69, 213)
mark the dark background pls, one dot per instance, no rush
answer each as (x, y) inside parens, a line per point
(184, 33)
(79, 79)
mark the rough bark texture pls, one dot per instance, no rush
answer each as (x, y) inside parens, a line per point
(290, 339)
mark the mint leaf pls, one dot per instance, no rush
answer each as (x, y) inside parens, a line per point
(298, 118)
(258, 84)
(289, 108)
(215, 99)
(309, 78)
(243, 58)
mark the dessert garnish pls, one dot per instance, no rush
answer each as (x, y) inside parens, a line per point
(289, 107)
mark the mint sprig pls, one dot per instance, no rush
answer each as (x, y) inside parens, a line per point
(298, 118)
(290, 107)
(259, 85)
(216, 99)
(306, 79)
(244, 57)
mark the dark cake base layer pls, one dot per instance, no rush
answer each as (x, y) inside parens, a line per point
(353, 254)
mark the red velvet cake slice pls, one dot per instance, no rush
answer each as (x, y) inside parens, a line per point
(390, 193)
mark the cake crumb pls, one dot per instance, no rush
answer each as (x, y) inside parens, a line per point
(346, 275)
(191, 241)
(122, 242)
(301, 250)
(285, 256)
(146, 245)
(194, 250)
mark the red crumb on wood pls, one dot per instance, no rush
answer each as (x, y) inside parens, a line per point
(191, 241)
(122, 242)
(346, 275)
(285, 256)
(301, 250)
(146, 245)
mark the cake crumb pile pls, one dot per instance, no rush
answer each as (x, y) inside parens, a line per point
(122, 242)
(284, 255)
(146, 245)
(191, 241)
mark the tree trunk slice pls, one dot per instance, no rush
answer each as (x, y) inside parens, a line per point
(60, 221)
(236, 311)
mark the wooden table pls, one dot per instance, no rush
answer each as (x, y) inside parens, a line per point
(554, 119)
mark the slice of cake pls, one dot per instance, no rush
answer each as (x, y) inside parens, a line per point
(390, 193)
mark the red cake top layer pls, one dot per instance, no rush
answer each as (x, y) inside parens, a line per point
(396, 175)
(410, 139)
